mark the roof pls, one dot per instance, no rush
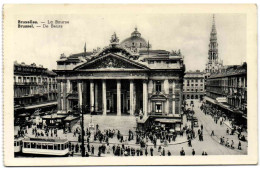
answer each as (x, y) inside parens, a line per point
(46, 140)
(194, 74)
(168, 120)
(233, 70)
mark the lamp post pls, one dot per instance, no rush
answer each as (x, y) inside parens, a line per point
(192, 122)
(82, 132)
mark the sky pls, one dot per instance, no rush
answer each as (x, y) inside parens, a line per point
(169, 31)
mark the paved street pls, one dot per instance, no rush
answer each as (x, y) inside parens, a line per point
(123, 123)
(211, 143)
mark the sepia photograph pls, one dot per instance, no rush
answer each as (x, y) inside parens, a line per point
(131, 83)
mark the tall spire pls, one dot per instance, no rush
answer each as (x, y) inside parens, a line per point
(213, 60)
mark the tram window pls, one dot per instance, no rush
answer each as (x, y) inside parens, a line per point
(55, 146)
(26, 145)
(39, 146)
(18, 143)
(33, 145)
(58, 146)
(62, 147)
(65, 146)
(44, 146)
(15, 143)
(50, 146)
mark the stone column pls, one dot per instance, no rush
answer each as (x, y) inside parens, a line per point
(80, 94)
(173, 97)
(68, 86)
(91, 96)
(96, 96)
(104, 97)
(131, 97)
(166, 90)
(118, 88)
(145, 98)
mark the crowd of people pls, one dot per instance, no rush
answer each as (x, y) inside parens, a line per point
(218, 119)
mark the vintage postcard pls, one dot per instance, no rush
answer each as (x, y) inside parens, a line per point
(130, 84)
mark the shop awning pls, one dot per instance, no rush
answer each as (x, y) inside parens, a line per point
(210, 99)
(40, 105)
(168, 120)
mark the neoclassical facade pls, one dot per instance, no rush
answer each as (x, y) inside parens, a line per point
(120, 81)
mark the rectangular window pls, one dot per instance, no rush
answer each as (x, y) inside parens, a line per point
(33, 145)
(44, 146)
(50, 146)
(158, 86)
(39, 146)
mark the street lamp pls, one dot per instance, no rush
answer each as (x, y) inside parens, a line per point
(82, 131)
(192, 112)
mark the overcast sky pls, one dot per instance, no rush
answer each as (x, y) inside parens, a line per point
(188, 32)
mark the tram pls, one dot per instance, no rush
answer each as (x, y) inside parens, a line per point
(18, 145)
(45, 147)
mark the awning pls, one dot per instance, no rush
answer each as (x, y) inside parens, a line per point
(54, 116)
(168, 120)
(41, 105)
(224, 106)
(210, 99)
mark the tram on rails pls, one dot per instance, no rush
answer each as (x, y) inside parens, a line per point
(18, 145)
(43, 147)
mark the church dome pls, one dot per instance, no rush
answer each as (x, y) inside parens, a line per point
(135, 41)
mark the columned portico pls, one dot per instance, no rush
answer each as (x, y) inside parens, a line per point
(104, 97)
(118, 87)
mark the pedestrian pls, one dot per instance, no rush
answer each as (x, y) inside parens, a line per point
(227, 131)
(232, 144)
(169, 153)
(212, 133)
(163, 152)
(92, 150)
(182, 152)
(151, 151)
(193, 152)
(239, 145)
(146, 151)
(201, 126)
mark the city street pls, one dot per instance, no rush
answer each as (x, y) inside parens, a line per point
(210, 144)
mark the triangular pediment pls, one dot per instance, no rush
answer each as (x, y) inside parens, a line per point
(111, 62)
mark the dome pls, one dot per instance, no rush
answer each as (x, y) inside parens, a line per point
(135, 41)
